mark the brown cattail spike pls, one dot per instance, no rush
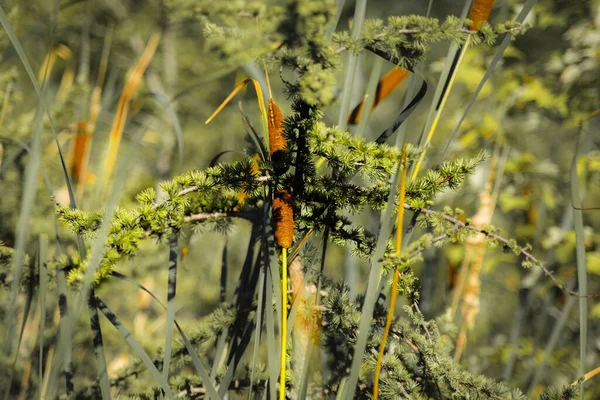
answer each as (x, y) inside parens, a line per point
(284, 218)
(480, 12)
(79, 153)
(277, 141)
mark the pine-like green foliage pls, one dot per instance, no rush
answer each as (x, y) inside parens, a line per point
(354, 177)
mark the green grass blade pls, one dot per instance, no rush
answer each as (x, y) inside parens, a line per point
(43, 271)
(198, 365)
(170, 110)
(259, 321)
(359, 16)
(31, 172)
(98, 245)
(371, 292)
(336, 19)
(98, 342)
(581, 259)
(137, 348)
(303, 384)
(488, 73)
(223, 293)
(369, 96)
(15, 155)
(27, 202)
(222, 342)
(62, 357)
(171, 292)
(403, 116)
(272, 347)
(200, 369)
(250, 131)
(552, 342)
(401, 132)
(27, 65)
(26, 311)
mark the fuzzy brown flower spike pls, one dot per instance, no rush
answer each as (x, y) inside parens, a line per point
(284, 218)
(480, 12)
(277, 140)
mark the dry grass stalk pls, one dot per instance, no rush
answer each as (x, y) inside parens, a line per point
(475, 252)
(134, 80)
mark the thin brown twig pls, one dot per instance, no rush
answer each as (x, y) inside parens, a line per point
(522, 250)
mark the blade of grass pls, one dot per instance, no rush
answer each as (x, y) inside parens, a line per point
(394, 291)
(131, 86)
(9, 160)
(23, 227)
(171, 292)
(170, 110)
(430, 129)
(303, 384)
(62, 358)
(259, 321)
(404, 114)
(453, 58)
(200, 369)
(581, 258)
(32, 167)
(98, 343)
(371, 293)
(357, 22)
(222, 342)
(234, 362)
(25, 318)
(488, 73)
(253, 134)
(272, 348)
(369, 97)
(336, 19)
(552, 342)
(223, 293)
(198, 365)
(137, 348)
(43, 271)
(6, 100)
(236, 90)
(385, 86)
(39, 91)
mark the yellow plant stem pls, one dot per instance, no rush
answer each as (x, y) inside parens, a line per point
(439, 111)
(284, 285)
(394, 294)
(588, 376)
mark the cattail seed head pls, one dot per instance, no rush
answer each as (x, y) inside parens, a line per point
(277, 140)
(480, 12)
(284, 218)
